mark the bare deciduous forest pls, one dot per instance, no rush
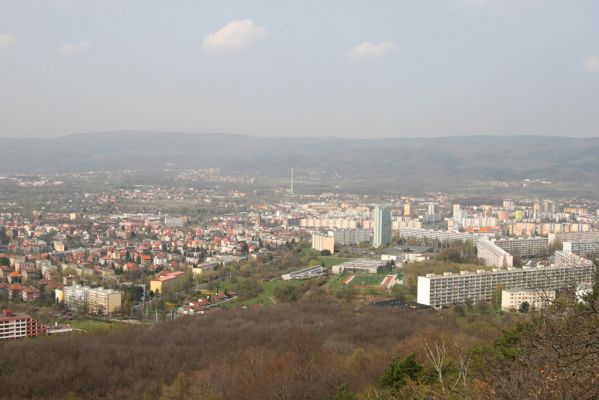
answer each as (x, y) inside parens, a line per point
(281, 352)
(319, 351)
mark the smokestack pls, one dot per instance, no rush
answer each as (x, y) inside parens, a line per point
(291, 187)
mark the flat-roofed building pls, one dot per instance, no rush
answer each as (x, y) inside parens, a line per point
(93, 300)
(348, 237)
(19, 325)
(358, 266)
(524, 247)
(305, 273)
(581, 247)
(572, 236)
(381, 226)
(103, 301)
(565, 258)
(493, 255)
(457, 288)
(512, 299)
(431, 234)
(323, 242)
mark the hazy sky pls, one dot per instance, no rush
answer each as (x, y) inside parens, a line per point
(300, 68)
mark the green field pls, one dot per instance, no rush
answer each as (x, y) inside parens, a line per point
(367, 280)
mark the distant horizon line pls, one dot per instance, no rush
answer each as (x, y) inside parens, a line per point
(191, 133)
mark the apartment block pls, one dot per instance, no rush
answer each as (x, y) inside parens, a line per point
(94, 300)
(323, 242)
(452, 288)
(572, 236)
(15, 326)
(381, 226)
(430, 234)
(565, 258)
(581, 247)
(348, 237)
(493, 255)
(524, 247)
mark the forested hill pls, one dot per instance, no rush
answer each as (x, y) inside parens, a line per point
(433, 161)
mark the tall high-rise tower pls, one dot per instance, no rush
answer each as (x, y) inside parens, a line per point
(291, 186)
(381, 225)
(457, 213)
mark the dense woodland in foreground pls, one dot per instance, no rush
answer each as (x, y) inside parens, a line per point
(319, 350)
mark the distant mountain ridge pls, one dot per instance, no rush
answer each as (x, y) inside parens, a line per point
(440, 159)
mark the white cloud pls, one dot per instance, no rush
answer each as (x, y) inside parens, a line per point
(7, 40)
(68, 49)
(475, 3)
(236, 35)
(371, 50)
(591, 64)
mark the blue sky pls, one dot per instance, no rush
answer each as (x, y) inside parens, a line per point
(353, 69)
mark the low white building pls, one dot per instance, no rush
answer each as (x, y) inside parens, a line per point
(305, 273)
(512, 299)
(358, 266)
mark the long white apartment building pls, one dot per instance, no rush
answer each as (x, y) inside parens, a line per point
(493, 255)
(524, 247)
(339, 223)
(581, 247)
(566, 258)
(572, 236)
(456, 288)
(431, 234)
(400, 223)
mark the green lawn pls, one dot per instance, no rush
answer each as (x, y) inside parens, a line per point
(367, 280)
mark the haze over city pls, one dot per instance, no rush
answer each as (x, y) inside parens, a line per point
(269, 68)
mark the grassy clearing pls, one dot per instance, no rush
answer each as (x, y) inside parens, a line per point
(266, 297)
(267, 294)
(92, 325)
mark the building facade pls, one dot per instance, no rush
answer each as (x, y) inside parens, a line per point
(381, 219)
(453, 288)
(93, 300)
(525, 247)
(512, 299)
(430, 234)
(581, 247)
(493, 255)
(15, 326)
(358, 266)
(349, 237)
(323, 242)
(167, 281)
